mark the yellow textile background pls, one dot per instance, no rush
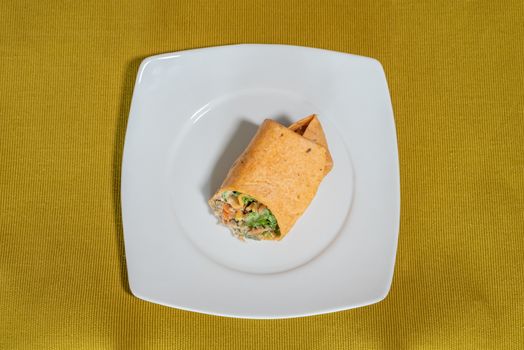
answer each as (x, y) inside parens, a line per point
(456, 75)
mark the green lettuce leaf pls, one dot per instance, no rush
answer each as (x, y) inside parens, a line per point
(247, 199)
(263, 219)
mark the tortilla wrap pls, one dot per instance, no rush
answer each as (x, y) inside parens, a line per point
(281, 168)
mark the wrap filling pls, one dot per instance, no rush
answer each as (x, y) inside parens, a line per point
(245, 216)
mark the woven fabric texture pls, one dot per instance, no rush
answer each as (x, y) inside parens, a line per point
(456, 75)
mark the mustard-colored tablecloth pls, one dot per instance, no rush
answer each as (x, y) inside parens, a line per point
(456, 74)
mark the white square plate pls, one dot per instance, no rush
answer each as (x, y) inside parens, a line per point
(192, 114)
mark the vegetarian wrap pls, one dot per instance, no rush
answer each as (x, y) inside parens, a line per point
(273, 181)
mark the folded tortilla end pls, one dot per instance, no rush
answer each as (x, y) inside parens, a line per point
(310, 128)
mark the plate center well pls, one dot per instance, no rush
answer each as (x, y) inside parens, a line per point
(204, 150)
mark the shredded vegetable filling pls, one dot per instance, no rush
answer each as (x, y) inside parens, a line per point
(246, 217)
